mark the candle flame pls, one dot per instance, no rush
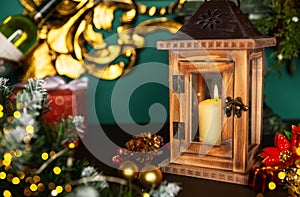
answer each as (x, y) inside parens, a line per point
(216, 92)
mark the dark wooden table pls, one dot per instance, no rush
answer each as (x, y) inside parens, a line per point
(190, 186)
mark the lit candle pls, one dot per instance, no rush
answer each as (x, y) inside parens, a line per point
(210, 119)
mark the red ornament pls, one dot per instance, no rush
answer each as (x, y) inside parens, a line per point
(295, 136)
(296, 128)
(120, 151)
(259, 177)
(117, 160)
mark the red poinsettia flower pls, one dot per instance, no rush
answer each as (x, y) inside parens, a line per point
(281, 155)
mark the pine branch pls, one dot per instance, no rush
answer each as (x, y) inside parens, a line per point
(60, 153)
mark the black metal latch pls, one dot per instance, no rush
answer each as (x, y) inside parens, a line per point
(237, 106)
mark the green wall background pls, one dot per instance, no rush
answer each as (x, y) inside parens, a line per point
(281, 92)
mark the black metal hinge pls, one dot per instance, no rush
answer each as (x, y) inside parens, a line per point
(178, 130)
(178, 84)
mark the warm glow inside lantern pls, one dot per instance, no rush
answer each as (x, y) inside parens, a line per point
(216, 94)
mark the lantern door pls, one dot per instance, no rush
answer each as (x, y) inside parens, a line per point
(202, 131)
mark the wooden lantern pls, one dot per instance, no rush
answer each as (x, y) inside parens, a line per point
(216, 94)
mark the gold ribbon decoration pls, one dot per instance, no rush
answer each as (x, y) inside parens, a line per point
(153, 10)
(97, 37)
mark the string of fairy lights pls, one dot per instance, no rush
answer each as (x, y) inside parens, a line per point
(38, 160)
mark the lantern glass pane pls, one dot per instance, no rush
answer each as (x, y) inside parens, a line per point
(208, 85)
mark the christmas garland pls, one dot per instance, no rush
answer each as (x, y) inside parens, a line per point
(37, 157)
(280, 166)
(281, 22)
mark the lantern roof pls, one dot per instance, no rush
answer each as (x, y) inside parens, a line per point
(219, 21)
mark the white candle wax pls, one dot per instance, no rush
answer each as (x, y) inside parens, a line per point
(210, 126)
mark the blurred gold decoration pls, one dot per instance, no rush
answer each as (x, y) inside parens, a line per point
(75, 40)
(41, 62)
(128, 170)
(29, 5)
(67, 65)
(153, 10)
(60, 39)
(150, 175)
(152, 25)
(68, 7)
(104, 14)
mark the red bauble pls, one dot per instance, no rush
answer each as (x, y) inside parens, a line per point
(296, 128)
(120, 151)
(117, 160)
